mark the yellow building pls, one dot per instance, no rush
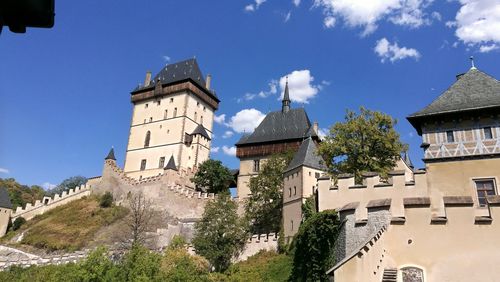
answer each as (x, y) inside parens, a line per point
(172, 118)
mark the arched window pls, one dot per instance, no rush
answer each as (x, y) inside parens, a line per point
(175, 112)
(290, 192)
(147, 139)
(412, 274)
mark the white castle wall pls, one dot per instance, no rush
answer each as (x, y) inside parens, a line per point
(48, 203)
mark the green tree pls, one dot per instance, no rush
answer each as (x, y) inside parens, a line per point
(67, 184)
(313, 247)
(18, 223)
(178, 265)
(309, 207)
(19, 194)
(263, 206)
(140, 264)
(106, 200)
(220, 234)
(97, 266)
(364, 142)
(213, 177)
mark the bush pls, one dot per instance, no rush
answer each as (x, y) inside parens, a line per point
(18, 223)
(106, 200)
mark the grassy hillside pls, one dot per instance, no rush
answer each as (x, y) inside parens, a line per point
(69, 227)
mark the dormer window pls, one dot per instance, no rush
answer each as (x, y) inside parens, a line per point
(488, 134)
(449, 136)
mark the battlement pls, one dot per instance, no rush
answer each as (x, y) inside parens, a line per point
(48, 203)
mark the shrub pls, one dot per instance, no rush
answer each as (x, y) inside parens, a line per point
(18, 223)
(106, 200)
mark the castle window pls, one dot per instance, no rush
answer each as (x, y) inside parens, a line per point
(201, 119)
(487, 133)
(147, 139)
(162, 162)
(256, 165)
(291, 225)
(175, 112)
(195, 116)
(290, 192)
(197, 104)
(171, 100)
(204, 108)
(166, 114)
(309, 173)
(151, 119)
(449, 136)
(146, 106)
(294, 190)
(158, 102)
(143, 164)
(484, 188)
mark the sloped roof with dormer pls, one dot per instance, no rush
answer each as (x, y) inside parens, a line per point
(473, 90)
(279, 126)
(307, 155)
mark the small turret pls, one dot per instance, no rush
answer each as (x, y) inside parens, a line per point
(171, 164)
(111, 155)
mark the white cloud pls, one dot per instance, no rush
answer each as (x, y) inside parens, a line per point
(273, 89)
(246, 120)
(296, 2)
(385, 50)
(230, 151)
(300, 86)
(478, 23)
(252, 7)
(221, 119)
(214, 150)
(228, 134)
(437, 16)
(166, 58)
(4, 170)
(48, 186)
(322, 132)
(287, 16)
(488, 48)
(367, 13)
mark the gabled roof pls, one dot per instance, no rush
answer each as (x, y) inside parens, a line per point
(201, 130)
(171, 164)
(111, 155)
(307, 156)
(176, 72)
(279, 125)
(473, 90)
(5, 199)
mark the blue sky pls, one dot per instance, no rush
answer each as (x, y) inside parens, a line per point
(65, 91)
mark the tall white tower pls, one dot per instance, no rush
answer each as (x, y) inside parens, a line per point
(172, 118)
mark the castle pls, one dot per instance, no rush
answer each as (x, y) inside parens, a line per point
(439, 223)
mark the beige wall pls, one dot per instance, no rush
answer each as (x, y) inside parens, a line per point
(4, 220)
(246, 172)
(167, 133)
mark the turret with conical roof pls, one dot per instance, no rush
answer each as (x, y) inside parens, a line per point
(171, 164)
(111, 155)
(286, 99)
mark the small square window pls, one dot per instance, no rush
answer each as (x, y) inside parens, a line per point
(449, 136)
(161, 164)
(488, 134)
(256, 165)
(143, 164)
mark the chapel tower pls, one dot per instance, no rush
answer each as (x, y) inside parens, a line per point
(172, 118)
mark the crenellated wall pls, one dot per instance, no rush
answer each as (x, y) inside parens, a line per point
(48, 203)
(460, 245)
(257, 243)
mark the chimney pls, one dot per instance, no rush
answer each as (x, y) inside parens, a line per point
(148, 78)
(208, 81)
(315, 127)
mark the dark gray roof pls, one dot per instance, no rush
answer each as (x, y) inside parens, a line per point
(183, 70)
(276, 126)
(307, 156)
(5, 199)
(171, 164)
(472, 90)
(111, 155)
(201, 130)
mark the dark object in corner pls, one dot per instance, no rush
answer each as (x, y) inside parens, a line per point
(19, 14)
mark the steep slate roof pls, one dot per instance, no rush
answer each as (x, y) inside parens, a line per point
(201, 130)
(472, 90)
(306, 156)
(171, 164)
(5, 199)
(279, 125)
(183, 70)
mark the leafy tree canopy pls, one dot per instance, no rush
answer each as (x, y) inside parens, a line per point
(67, 184)
(220, 234)
(263, 207)
(313, 247)
(213, 177)
(364, 142)
(20, 194)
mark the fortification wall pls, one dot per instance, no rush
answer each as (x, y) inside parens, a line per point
(457, 246)
(256, 243)
(336, 195)
(48, 203)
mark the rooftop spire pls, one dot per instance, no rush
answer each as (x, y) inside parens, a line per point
(472, 62)
(286, 99)
(171, 164)
(111, 155)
